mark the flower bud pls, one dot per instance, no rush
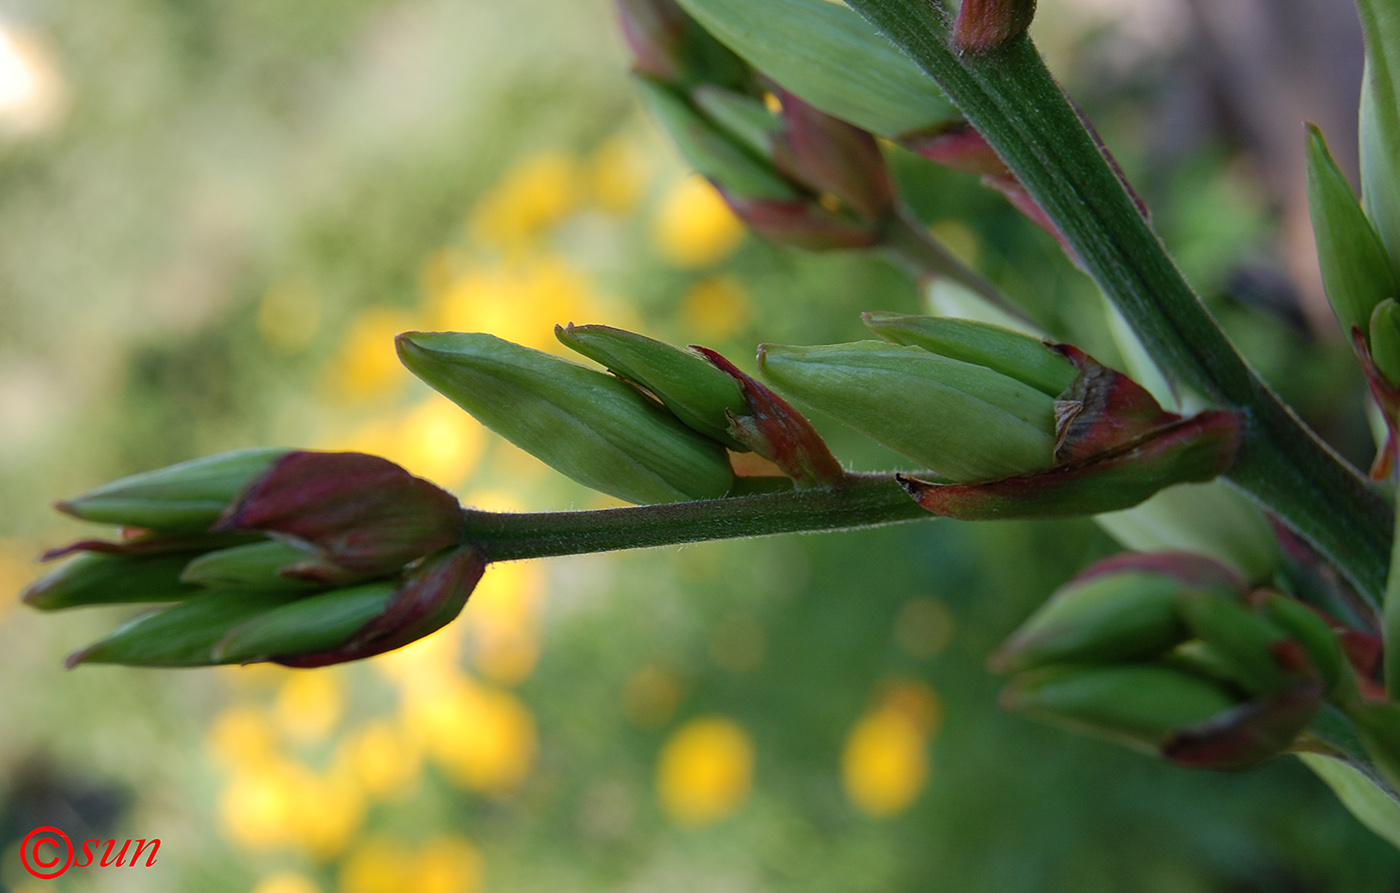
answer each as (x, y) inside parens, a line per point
(1249, 734)
(985, 25)
(1014, 354)
(96, 579)
(185, 497)
(963, 421)
(1356, 270)
(1380, 122)
(1385, 340)
(668, 45)
(715, 154)
(1262, 659)
(267, 565)
(588, 425)
(695, 391)
(1122, 609)
(312, 624)
(359, 516)
(802, 223)
(831, 157)
(180, 636)
(1141, 706)
(740, 115)
(794, 42)
(1317, 637)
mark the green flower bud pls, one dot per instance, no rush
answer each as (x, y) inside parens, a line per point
(741, 116)
(795, 42)
(254, 566)
(185, 497)
(1251, 645)
(1141, 706)
(1122, 609)
(1318, 638)
(587, 424)
(1356, 270)
(1385, 340)
(308, 625)
(1210, 519)
(1380, 121)
(1020, 356)
(697, 392)
(97, 579)
(964, 421)
(182, 636)
(714, 153)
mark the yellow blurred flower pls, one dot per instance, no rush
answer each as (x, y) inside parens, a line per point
(242, 736)
(17, 570)
(367, 365)
(281, 804)
(448, 863)
(534, 196)
(309, 705)
(705, 771)
(383, 759)
(507, 656)
(436, 440)
(287, 882)
(619, 174)
(694, 227)
(715, 308)
(521, 302)
(885, 763)
(289, 315)
(377, 865)
(482, 738)
(650, 696)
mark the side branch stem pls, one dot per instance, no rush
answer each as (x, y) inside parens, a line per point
(861, 500)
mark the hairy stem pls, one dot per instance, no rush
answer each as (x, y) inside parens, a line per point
(860, 500)
(1011, 98)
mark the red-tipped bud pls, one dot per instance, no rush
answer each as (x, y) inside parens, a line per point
(801, 223)
(364, 516)
(985, 25)
(832, 157)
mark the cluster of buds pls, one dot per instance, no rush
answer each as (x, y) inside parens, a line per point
(294, 557)
(1173, 654)
(796, 176)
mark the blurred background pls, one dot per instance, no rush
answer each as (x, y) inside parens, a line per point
(214, 214)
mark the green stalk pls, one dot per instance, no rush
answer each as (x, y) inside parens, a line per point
(861, 500)
(1011, 98)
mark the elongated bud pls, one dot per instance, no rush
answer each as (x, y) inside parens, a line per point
(1317, 637)
(429, 598)
(1210, 519)
(1014, 354)
(964, 421)
(1262, 659)
(1356, 270)
(1249, 734)
(1142, 706)
(689, 385)
(834, 158)
(1123, 608)
(185, 497)
(986, 25)
(1380, 122)
(312, 624)
(586, 424)
(802, 223)
(668, 45)
(361, 515)
(741, 116)
(715, 154)
(773, 429)
(269, 565)
(875, 87)
(96, 579)
(181, 636)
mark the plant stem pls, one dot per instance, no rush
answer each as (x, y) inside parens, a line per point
(1014, 102)
(861, 500)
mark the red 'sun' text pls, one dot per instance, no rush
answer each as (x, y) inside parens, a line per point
(47, 853)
